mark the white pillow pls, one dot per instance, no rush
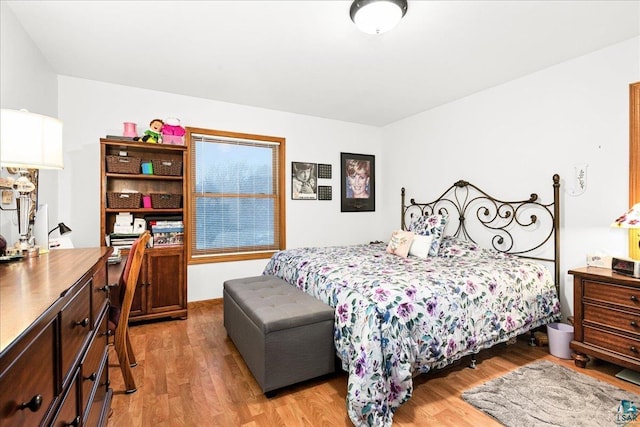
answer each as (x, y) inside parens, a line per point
(420, 246)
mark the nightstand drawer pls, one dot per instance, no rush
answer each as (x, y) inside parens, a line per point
(614, 294)
(617, 319)
(613, 342)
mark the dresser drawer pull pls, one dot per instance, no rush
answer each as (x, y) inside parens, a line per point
(74, 423)
(84, 322)
(107, 288)
(91, 377)
(633, 323)
(633, 298)
(633, 349)
(33, 405)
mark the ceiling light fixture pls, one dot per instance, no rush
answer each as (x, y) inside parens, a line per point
(377, 16)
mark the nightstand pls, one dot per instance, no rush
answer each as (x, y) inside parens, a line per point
(606, 309)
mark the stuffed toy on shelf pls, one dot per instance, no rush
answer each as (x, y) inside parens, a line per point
(153, 134)
(172, 132)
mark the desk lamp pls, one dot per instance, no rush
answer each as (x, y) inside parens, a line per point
(28, 141)
(62, 229)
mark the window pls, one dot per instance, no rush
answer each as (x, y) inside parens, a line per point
(236, 196)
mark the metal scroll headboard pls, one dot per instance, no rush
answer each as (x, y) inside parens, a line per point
(500, 222)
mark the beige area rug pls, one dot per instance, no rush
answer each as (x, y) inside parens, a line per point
(546, 394)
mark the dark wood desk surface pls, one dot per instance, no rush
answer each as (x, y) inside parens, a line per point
(30, 286)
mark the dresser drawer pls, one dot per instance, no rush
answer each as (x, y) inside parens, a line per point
(96, 411)
(75, 327)
(99, 293)
(91, 369)
(618, 319)
(613, 342)
(29, 380)
(625, 296)
(68, 414)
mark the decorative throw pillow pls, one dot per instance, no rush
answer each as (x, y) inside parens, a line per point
(451, 246)
(430, 225)
(457, 247)
(400, 243)
(420, 246)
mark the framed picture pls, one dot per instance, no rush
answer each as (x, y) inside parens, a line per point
(324, 192)
(357, 174)
(324, 171)
(304, 181)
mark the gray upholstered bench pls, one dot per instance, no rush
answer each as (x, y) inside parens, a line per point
(284, 335)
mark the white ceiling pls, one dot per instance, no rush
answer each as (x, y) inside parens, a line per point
(307, 57)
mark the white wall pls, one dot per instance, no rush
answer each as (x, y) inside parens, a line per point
(26, 81)
(92, 110)
(511, 139)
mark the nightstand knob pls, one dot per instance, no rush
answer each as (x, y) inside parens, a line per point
(633, 298)
(633, 349)
(633, 323)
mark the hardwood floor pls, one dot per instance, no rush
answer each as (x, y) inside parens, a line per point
(190, 374)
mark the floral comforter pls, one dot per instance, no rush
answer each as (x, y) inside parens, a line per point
(396, 316)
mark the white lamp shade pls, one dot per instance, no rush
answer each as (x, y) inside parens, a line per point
(30, 141)
(378, 16)
(630, 219)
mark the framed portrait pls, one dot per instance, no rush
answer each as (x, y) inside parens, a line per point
(357, 179)
(304, 181)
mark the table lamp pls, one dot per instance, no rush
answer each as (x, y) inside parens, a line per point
(28, 141)
(631, 220)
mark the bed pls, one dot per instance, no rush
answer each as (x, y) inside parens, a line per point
(481, 275)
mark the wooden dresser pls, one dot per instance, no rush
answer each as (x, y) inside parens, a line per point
(606, 309)
(53, 339)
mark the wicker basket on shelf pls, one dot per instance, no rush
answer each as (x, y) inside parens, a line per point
(167, 167)
(123, 200)
(121, 164)
(165, 201)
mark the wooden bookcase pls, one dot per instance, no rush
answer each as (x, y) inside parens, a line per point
(162, 286)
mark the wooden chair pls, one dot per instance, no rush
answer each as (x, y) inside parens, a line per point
(119, 316)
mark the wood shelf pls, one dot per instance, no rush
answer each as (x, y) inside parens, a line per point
(145, 211)
(144, 176)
